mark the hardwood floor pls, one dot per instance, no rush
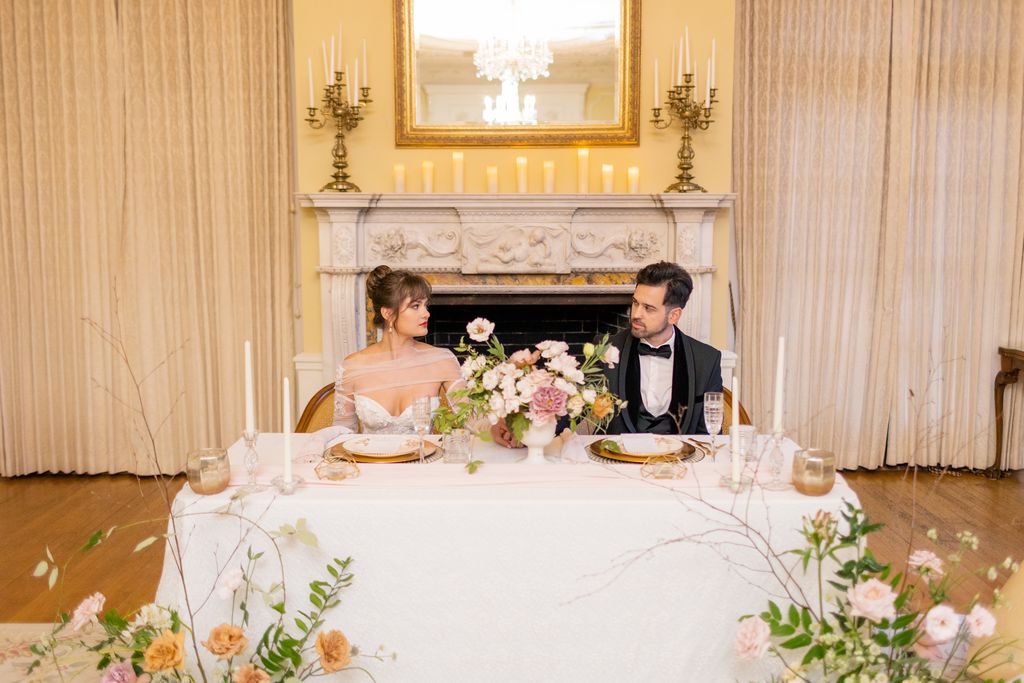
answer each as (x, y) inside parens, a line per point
(62, 511)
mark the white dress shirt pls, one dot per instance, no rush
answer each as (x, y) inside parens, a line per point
(656, 378)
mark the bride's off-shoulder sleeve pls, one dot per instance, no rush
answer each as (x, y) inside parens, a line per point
(452, 373)
(344, 400)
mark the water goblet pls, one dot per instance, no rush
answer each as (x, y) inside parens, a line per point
(714, 411)
(421, 418)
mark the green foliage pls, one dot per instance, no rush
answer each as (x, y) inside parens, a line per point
(473, 465)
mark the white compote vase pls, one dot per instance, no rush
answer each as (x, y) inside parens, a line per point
(535, 438)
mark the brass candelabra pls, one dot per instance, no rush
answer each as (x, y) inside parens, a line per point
(682, 105)
(346, 115)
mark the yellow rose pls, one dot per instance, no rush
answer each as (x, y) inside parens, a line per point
(603, 406)
(166, 652)
(334, 650)
(226, 641)
(250, 674)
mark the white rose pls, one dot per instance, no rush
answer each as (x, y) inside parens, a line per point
(511, 405)
(550, 349)
(981, 622)
(589, 395)
(569, 389)
(925, 561)
(563, 364)
(490, 379)
(497, 405)
(229, 582)
(480, 329)
(575, 406)
(752, 638)
(872, 600)
(941, 623)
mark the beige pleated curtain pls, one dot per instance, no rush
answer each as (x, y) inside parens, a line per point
(879, 225)
(145, 176)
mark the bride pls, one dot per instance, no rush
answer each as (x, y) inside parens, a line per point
(376, 387)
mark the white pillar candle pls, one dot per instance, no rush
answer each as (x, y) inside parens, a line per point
(607, 178)
(736, 461)
(672, 67)
(327, 72)
(656, 89)
(458, 173)
(340, 52)
(633, 173)
(428, 176)
(583, 170)
(355, 85)
(707, 97)
(696, 90)
(492, 179)
(687, 31)
(286, 417)
(348, 86)
(712, 62)
(331, 81)
(679, 62)
(780, 363)
(366, 73)
(250, 412)
(549, 177)
(521, 175)
(399, 175)
(312, 101)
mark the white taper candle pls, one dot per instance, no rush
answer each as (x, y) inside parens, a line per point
(656, 88)
(286, 417)
(736, 460)
(250, 411)
(780, 364)
(458, 173)
(312, 101)
(549, 177)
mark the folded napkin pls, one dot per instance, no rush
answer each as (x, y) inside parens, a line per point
(317, 444)
(574, 450)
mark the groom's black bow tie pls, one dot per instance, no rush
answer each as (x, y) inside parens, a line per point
(663, 351)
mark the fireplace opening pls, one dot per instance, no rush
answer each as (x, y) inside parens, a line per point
(524, 320)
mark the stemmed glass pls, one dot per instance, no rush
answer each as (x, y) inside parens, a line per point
(714, 410)
(421, 416)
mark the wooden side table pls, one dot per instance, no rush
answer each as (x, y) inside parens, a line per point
(1008, 374)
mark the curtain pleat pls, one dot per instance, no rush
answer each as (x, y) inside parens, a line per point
(147, 174)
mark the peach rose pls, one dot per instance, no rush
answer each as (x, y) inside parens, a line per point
(166, 652)
(226, 641)
(250, 674)
(603, 406)
(872, 600)
(334, 650)
(752, 638)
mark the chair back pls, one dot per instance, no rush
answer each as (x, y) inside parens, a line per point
(319, 412)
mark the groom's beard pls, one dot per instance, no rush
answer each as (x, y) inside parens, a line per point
(645, 332)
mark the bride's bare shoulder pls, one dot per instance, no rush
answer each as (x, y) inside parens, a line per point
(362, 356)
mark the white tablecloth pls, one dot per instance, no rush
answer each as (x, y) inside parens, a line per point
(515, 573)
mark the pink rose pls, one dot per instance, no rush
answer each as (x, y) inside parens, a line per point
(941, 624)
(611, 356)
(981, 622)
(86, 611)
(872, 600)
(752, 638)
(547, 402)
(121, 672)
(925, 561)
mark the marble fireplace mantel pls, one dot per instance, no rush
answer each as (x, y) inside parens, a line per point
(502, 237)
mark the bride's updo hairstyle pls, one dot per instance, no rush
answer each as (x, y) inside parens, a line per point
(391, 288)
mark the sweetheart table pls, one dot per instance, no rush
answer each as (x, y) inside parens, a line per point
(559, 572)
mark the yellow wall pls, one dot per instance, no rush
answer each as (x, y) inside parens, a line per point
(372, 151)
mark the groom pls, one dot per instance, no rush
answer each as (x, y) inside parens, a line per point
(663, 374)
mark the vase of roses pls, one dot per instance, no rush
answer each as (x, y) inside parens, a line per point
(532, 389)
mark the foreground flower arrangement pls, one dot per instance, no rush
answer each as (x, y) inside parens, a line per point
(532, 386)
(868, 625)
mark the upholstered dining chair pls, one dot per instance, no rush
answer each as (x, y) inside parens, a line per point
(319, 412)
(727, 412)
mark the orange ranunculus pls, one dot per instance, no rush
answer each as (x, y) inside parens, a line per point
(603, 406)
(250, 674)
(166, 652)
(226, 641)
(334, 650)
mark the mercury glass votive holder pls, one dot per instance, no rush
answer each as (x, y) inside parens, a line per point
(814, 471)
(208, 470)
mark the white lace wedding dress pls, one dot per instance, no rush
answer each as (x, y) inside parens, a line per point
(367, 379)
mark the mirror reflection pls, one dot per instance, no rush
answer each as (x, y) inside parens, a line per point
(498, 63)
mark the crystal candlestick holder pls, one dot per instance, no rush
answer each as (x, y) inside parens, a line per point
(251, 461)
(776, 460)
(287, 487)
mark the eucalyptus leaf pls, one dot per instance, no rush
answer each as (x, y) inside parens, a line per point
(52, 581)
(40, 568)
(144, 543)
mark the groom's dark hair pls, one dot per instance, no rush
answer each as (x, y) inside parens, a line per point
(678, 282)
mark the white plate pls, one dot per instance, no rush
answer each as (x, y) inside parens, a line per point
(382, 445)
(661, 445)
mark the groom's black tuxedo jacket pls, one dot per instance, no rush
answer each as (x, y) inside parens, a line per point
(697, 368)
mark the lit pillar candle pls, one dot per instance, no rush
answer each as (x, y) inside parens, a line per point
(656, 89)
(312, 101)
(250, 412)
(428, 176)
(521, 174)
(736, 461)
(399, 174)
(780, 363)
(633, 173)
(607, 178)
(458, 173)
(286, 416)
(549, 177)
(583, 170)
(492, 179)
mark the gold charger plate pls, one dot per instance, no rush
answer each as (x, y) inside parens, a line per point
(429, 448)
(685, 450)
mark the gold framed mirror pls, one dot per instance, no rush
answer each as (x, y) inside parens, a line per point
(527, 73)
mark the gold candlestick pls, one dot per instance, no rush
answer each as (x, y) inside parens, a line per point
(346, 117)
(692, 115)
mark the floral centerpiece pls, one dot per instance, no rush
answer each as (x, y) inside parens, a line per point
(866, 623)
(532, 388)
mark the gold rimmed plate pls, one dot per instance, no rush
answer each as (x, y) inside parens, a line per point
(361, 451)
(675, 449)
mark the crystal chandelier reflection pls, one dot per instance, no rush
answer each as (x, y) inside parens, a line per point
(505, 108)
(511, 58)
